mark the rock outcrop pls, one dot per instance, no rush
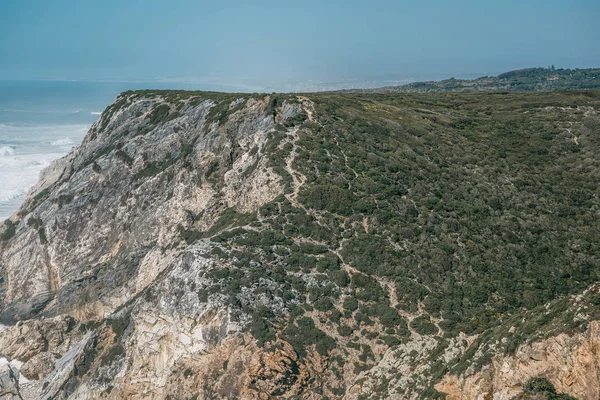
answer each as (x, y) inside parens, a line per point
(104, 223)
(570, 362)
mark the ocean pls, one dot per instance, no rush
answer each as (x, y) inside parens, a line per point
(42, 121)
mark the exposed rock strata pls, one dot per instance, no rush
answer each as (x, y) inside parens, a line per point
(570, 362)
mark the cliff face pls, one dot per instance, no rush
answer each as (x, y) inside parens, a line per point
(104, 223)
(101, 223)
(206, 245)
(570, 362)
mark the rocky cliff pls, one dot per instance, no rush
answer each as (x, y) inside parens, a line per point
(209, 245)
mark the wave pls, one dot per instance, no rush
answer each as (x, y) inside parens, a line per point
(29, 134)
(7, 151)
(18, 173)
(62, 142)
(12, 194)
(25, 150)
(26, 111)
(96, 112)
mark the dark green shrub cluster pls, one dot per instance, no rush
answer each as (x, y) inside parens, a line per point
(275, 102)
(36, 201)
(42, 235)
(35, 223)
(112, 354)
(297, 119)
(152, 169)
(161, 113)
(304, 333)
(330, 198)
(423, 325)
(536, 387)
(10, 230)
(122, 101)
(261, 327)
(64, 199)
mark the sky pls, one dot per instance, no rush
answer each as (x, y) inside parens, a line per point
(262, 42)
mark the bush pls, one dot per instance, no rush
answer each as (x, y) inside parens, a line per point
(161, 113)
(10, 230)
(350, 304)
(389, 317)
(260, 327)
(42, 235)
(423, 325)
(323, 304)
(539, 385)
(542, 386)
(329, 198)
(114, 353)
(345, 330)
(304, 333)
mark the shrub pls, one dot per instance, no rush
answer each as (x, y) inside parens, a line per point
(542, 386)
(345, 330)
(304, 333)
(539, 385)
(323, 304)
(350, 304)
(329, 198)
(9, 230)
(423, 325)
(261, 330)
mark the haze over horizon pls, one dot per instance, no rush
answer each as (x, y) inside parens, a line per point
(278, 44)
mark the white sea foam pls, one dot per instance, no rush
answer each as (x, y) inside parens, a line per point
(24, 151)
(62, 142)
(6, 151)
(96, 112)
(18, 173)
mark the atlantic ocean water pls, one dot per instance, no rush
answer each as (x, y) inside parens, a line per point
(42, 121)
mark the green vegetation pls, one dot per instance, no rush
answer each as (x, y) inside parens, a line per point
(161, 114)
(152, 169)
(423, 325)
(121, 102)
(10, 230)
(42, 235)
(36, 201)
(64, 199)
(452, 187)
(523, 80)
(542, 388)
(304, 333)
(123, 156)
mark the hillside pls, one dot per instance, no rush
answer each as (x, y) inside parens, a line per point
(333, 245)
(523, 80)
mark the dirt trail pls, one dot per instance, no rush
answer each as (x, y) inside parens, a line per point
(346, 164)
(574, 138)
(298, 179)
(308, 106)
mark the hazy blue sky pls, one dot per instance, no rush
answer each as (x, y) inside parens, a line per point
(260, 42)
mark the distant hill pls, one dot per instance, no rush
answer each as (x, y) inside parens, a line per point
(522, 80)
